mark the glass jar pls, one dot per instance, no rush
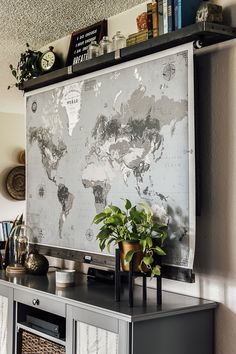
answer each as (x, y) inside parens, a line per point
(105, 46)
(19, 248)
(93, 50)
(118, 41)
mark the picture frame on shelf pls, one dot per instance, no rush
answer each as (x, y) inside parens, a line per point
(81, 39)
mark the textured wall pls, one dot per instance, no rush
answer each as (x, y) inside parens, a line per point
(38, 23)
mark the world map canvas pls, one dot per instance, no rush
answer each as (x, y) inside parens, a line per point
(125, 132)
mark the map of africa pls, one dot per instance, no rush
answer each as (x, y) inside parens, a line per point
(120, 134)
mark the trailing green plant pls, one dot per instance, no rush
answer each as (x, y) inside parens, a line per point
(134, 223)
(26, 68)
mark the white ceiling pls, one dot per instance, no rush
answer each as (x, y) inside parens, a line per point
(39, 22)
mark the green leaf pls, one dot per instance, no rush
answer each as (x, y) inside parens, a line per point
(114, 220)
(156, 271)
(149, 242)
(102, 244)
(115, 209)
(129, 256)
(128, 204)
(148, 260)
(143, 244)
(135, 215)
(113, 239)
(159, 251)
(99, 217)
(14, 73)
(104, 234)
(107, 210)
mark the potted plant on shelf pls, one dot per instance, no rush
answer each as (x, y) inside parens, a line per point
(137, 232)
(26, 68)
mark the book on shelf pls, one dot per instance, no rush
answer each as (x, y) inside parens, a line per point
(170, 11)
(137, 38)
(160, 17)
(155, 29)
(165, 16)
(149, 20)
(185, 12)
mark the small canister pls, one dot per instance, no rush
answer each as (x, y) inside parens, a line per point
(105, 46)
(93, 50)
(118, 41)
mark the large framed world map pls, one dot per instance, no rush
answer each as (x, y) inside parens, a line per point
(122, 132)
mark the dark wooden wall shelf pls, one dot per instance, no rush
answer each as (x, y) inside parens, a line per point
(206, 33)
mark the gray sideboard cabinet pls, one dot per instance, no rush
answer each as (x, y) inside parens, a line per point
(6, 317)
(93, 323)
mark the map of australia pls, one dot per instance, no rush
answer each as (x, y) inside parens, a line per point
(122, 134)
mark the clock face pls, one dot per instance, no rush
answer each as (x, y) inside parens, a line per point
(47, 61)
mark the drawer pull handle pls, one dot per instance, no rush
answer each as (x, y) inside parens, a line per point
(35, 302)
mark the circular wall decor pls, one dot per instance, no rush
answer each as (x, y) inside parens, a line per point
(15, 183)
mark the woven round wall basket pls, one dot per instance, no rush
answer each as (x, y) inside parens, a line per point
(15, 183)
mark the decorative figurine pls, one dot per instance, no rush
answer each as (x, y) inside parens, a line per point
(209, 12)
(36, 263)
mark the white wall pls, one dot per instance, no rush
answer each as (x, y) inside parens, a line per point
(12, 140)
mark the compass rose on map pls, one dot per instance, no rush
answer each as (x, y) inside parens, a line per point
(169, 72)
(89, 234)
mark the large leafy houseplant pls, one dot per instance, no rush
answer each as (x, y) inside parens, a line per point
(26, 68)
(134, 223)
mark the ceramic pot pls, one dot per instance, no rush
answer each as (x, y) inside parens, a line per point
(125, 247)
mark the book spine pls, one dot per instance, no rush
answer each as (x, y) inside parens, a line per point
(178, 14)
(165, 15)
(160, 17)
(155, 19)
(149, 20)
(170, 16)
(1, 233)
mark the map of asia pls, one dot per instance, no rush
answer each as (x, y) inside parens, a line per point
(125, 132)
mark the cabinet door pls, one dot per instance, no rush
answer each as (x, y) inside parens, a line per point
(96, 333)
(6, 319)
(95, 340)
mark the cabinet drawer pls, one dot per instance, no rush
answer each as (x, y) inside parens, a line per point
(41, 302)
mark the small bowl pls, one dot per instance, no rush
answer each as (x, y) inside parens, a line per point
(65, 278)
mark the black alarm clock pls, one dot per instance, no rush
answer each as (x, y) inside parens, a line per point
(48, 61)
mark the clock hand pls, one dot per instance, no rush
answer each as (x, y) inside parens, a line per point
(45, 60)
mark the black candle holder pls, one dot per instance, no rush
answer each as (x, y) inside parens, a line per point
(131, 274)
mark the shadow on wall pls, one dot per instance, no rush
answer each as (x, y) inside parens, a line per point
(229, 14)
(216, 226)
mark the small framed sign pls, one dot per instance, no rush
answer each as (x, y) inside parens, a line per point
(81, 39)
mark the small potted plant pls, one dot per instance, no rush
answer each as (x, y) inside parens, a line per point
(137, 232)
(26, 68)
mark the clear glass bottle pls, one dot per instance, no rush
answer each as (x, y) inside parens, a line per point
(105, 46)
(93, 50)
(118, 41)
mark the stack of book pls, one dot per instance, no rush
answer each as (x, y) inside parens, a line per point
(5, 229)
(137, 37)
(164, 16)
